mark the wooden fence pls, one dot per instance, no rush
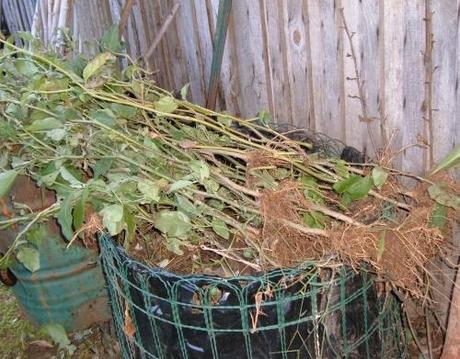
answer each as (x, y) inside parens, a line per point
(294, 59)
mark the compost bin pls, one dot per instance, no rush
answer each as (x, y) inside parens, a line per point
(68, 288)
(308, 312)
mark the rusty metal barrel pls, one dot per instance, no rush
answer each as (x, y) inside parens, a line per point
(69, 288)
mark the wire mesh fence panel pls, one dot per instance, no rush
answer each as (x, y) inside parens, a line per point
(307, 312)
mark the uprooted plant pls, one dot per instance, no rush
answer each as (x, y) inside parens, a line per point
(187, 188)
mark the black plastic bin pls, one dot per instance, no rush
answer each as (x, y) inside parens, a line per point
(308, 312)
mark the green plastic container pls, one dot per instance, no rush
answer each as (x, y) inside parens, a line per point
(69, 288)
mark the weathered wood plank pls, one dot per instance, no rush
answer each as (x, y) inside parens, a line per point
(369, 32)
(391, 71)
(413, 126)
(298, 62)
(355, 131)
(249, 56)
(445, 60)
(326, 57)
(204, 41)
(276, 47)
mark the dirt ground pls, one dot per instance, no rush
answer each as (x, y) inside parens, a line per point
(19, 339)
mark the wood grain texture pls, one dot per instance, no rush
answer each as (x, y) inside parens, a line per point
(445, 115)
(291, 57)
(413, 126)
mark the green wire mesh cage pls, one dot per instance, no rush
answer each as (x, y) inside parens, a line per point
(307, 312)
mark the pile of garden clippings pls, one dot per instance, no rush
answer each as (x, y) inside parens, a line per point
(192, 190)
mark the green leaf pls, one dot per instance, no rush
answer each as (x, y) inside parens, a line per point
(200, 170)
(130, 228)
(104, 116)
(184, 91)
(184, 205)
(361, 188)
(57, 333)
(265, 117)
(101, 167)
(36, 234)
(343, 185)
(49, 123)
(149, 189)
(110, 40)
(96, 64)
(64, 216)
(6, 181)
(450, 161)
(356, 187)
(225, 120)
(124, 111)
(29, 257)
(166, 104)
(440, 193)
(220, 227)
(439, 216)
(26, 67)
(172, 223)
(79, 209)
(314, 219)
(112, 218)
(379, 176)
(179, 185)
(57, 134)
(70, 178)
(381, 245)
(173, 245)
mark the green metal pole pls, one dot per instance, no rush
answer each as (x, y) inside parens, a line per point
(223, 15)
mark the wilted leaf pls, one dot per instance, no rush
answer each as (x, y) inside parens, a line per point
(101, 167)
(29, 257)
(179, 185)
(173, 245)
(451, 160)
(440, 193)
(57, 333)
(65, 218)
(439, 216)
(314, 219)
(104, 116)
(149, 189)
(6, 181)
(36, 234)
(112, 218)
(172, 223)
(200, 169)
(124, 111)
(379, 176)
(110, 40)
(69, 177)
(56, 134)
(49, 123)
(166, 104)
(25, 67)
(220, 227)
(184, 205)
(96, 64)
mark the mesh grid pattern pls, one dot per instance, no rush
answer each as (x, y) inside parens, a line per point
(307, 312)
